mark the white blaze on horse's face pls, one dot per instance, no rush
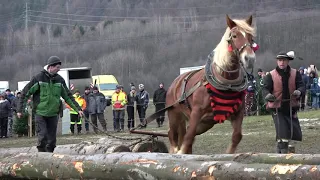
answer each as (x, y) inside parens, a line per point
(247, 56)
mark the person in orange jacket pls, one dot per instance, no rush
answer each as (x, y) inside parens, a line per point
(74, 116)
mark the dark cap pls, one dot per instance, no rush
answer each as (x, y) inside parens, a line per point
(8, 90)
(87, 88)
(260, 70)
(53, 61)
(95, 88)
(283, 55)
(76, 91)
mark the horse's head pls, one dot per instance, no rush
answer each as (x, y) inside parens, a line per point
(240, 41)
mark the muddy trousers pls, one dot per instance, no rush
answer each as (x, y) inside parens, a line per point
(46, 128)
(3, 127)
(75, 120)
(102, 121)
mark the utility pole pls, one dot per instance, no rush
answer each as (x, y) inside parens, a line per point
(68, 12)
(26, 29)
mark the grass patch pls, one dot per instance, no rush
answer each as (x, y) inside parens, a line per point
(258, 135)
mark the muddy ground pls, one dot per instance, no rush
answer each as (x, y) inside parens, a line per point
(258, 136)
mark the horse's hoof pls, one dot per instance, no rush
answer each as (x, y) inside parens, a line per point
(180, 152)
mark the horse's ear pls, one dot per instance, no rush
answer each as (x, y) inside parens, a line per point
(230, 23)
(249, 20)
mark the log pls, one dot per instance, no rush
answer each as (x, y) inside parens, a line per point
(151, 146)
(83, 148)
(145, 166)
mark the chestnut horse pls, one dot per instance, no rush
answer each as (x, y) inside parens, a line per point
(188, 95)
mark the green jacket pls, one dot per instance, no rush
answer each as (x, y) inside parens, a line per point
(46, 90)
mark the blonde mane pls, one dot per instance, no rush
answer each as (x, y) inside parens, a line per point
(221, 55)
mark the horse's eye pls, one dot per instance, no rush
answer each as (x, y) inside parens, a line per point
(234, 36)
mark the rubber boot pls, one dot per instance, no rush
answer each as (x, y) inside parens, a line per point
(72, 129)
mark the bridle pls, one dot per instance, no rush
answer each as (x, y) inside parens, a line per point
(232, 47)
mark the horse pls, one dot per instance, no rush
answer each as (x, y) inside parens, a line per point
(194, 100)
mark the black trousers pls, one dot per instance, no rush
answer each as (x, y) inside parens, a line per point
(47, 130)
(3, 126)
(287, 128)
(162, 115)
(75, 120)
(142, 114)
(302, 101)
(130, 112)
(86, 121)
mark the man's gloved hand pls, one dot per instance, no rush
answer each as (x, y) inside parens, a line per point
(296, 93)
(270, 98)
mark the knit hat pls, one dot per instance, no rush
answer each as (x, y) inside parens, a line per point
(301, 68)
(87, 88)
(133, 88)
(289, 55)
(53, 61)
(76, 91)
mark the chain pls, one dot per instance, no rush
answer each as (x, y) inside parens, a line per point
(110, 135)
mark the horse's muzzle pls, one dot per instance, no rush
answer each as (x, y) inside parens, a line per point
(249, 61)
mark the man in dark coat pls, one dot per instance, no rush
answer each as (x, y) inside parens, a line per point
(96, 105)
(85, 96)
(283, 87)
(159, 100)
(305, 82)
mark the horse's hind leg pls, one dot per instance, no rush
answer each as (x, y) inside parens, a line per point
(237, 133)
(174, 127)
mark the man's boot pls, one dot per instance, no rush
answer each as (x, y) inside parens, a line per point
(41, 149)
(72, 129)
(161, 121)
(283, 147)
(158, 122)
(50, 149)
(79, 128)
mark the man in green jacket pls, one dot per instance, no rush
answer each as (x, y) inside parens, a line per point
(47, 87)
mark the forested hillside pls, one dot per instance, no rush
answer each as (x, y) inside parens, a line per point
(146, 41)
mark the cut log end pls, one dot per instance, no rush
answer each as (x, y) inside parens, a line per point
(149, 146)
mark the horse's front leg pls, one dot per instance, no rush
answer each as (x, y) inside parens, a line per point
(236, 122)
(186, 147)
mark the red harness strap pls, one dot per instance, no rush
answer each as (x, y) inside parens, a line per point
(224, 103)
